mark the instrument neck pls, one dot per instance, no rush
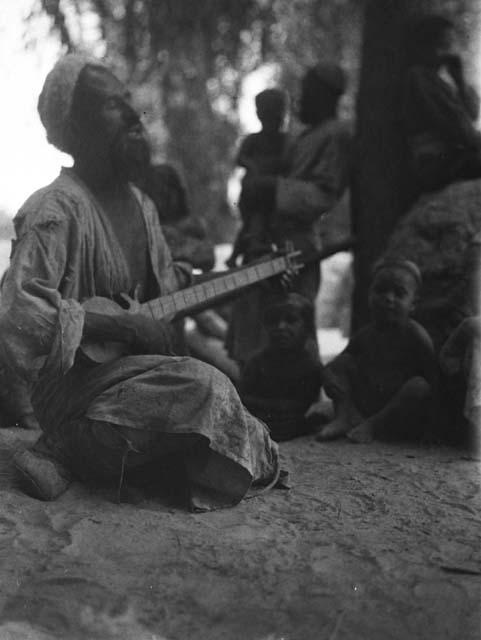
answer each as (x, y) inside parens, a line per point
(185, 300)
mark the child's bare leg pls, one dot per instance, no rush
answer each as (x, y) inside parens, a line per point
(408, 404)
(347, 416)
(338, 387)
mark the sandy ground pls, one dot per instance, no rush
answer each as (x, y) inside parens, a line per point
(373, 542)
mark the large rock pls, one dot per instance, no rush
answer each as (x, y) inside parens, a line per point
(441, 233)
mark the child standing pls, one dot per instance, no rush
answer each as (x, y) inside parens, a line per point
(280, 383)
(382, 383)
(260, 154)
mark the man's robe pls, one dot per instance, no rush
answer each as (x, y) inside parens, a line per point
(65, 252)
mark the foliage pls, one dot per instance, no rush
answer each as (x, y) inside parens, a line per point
(327, 30)
(187, 60)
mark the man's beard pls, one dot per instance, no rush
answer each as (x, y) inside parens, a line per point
(130, 157)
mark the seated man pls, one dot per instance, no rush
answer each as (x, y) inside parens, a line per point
(383, 382)
(91, 233)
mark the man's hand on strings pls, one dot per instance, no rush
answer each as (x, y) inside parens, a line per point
(131, 303)
(288, 279)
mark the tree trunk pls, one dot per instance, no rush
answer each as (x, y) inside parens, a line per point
(380, 189)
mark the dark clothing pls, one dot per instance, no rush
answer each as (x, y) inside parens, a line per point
(375, 365)
(316, 175)
(439, 121)
(184, 232)
(279, 388)
(261, 154)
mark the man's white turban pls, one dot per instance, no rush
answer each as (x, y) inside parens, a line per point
(55, 100)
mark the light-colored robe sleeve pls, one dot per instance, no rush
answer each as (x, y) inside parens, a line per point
(37, 327)
(306, 195)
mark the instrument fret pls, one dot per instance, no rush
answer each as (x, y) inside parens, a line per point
(183, 299)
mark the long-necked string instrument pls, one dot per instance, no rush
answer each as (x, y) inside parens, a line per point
(204, 294)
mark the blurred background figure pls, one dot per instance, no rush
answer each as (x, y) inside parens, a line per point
(203, 334)
(315, 175)
(260, 154)
(184, 231)
(441, 109)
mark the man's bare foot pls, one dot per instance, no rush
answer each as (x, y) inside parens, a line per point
(41, 476)
(362, 434)
(335, 429)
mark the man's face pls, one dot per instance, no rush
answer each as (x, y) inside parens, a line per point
(392, 296)
(108, 124)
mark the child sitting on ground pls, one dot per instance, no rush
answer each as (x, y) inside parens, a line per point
(260, 154)
(280, 383)
(382, 383)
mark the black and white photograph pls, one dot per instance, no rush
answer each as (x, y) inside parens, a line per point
(240, 321)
